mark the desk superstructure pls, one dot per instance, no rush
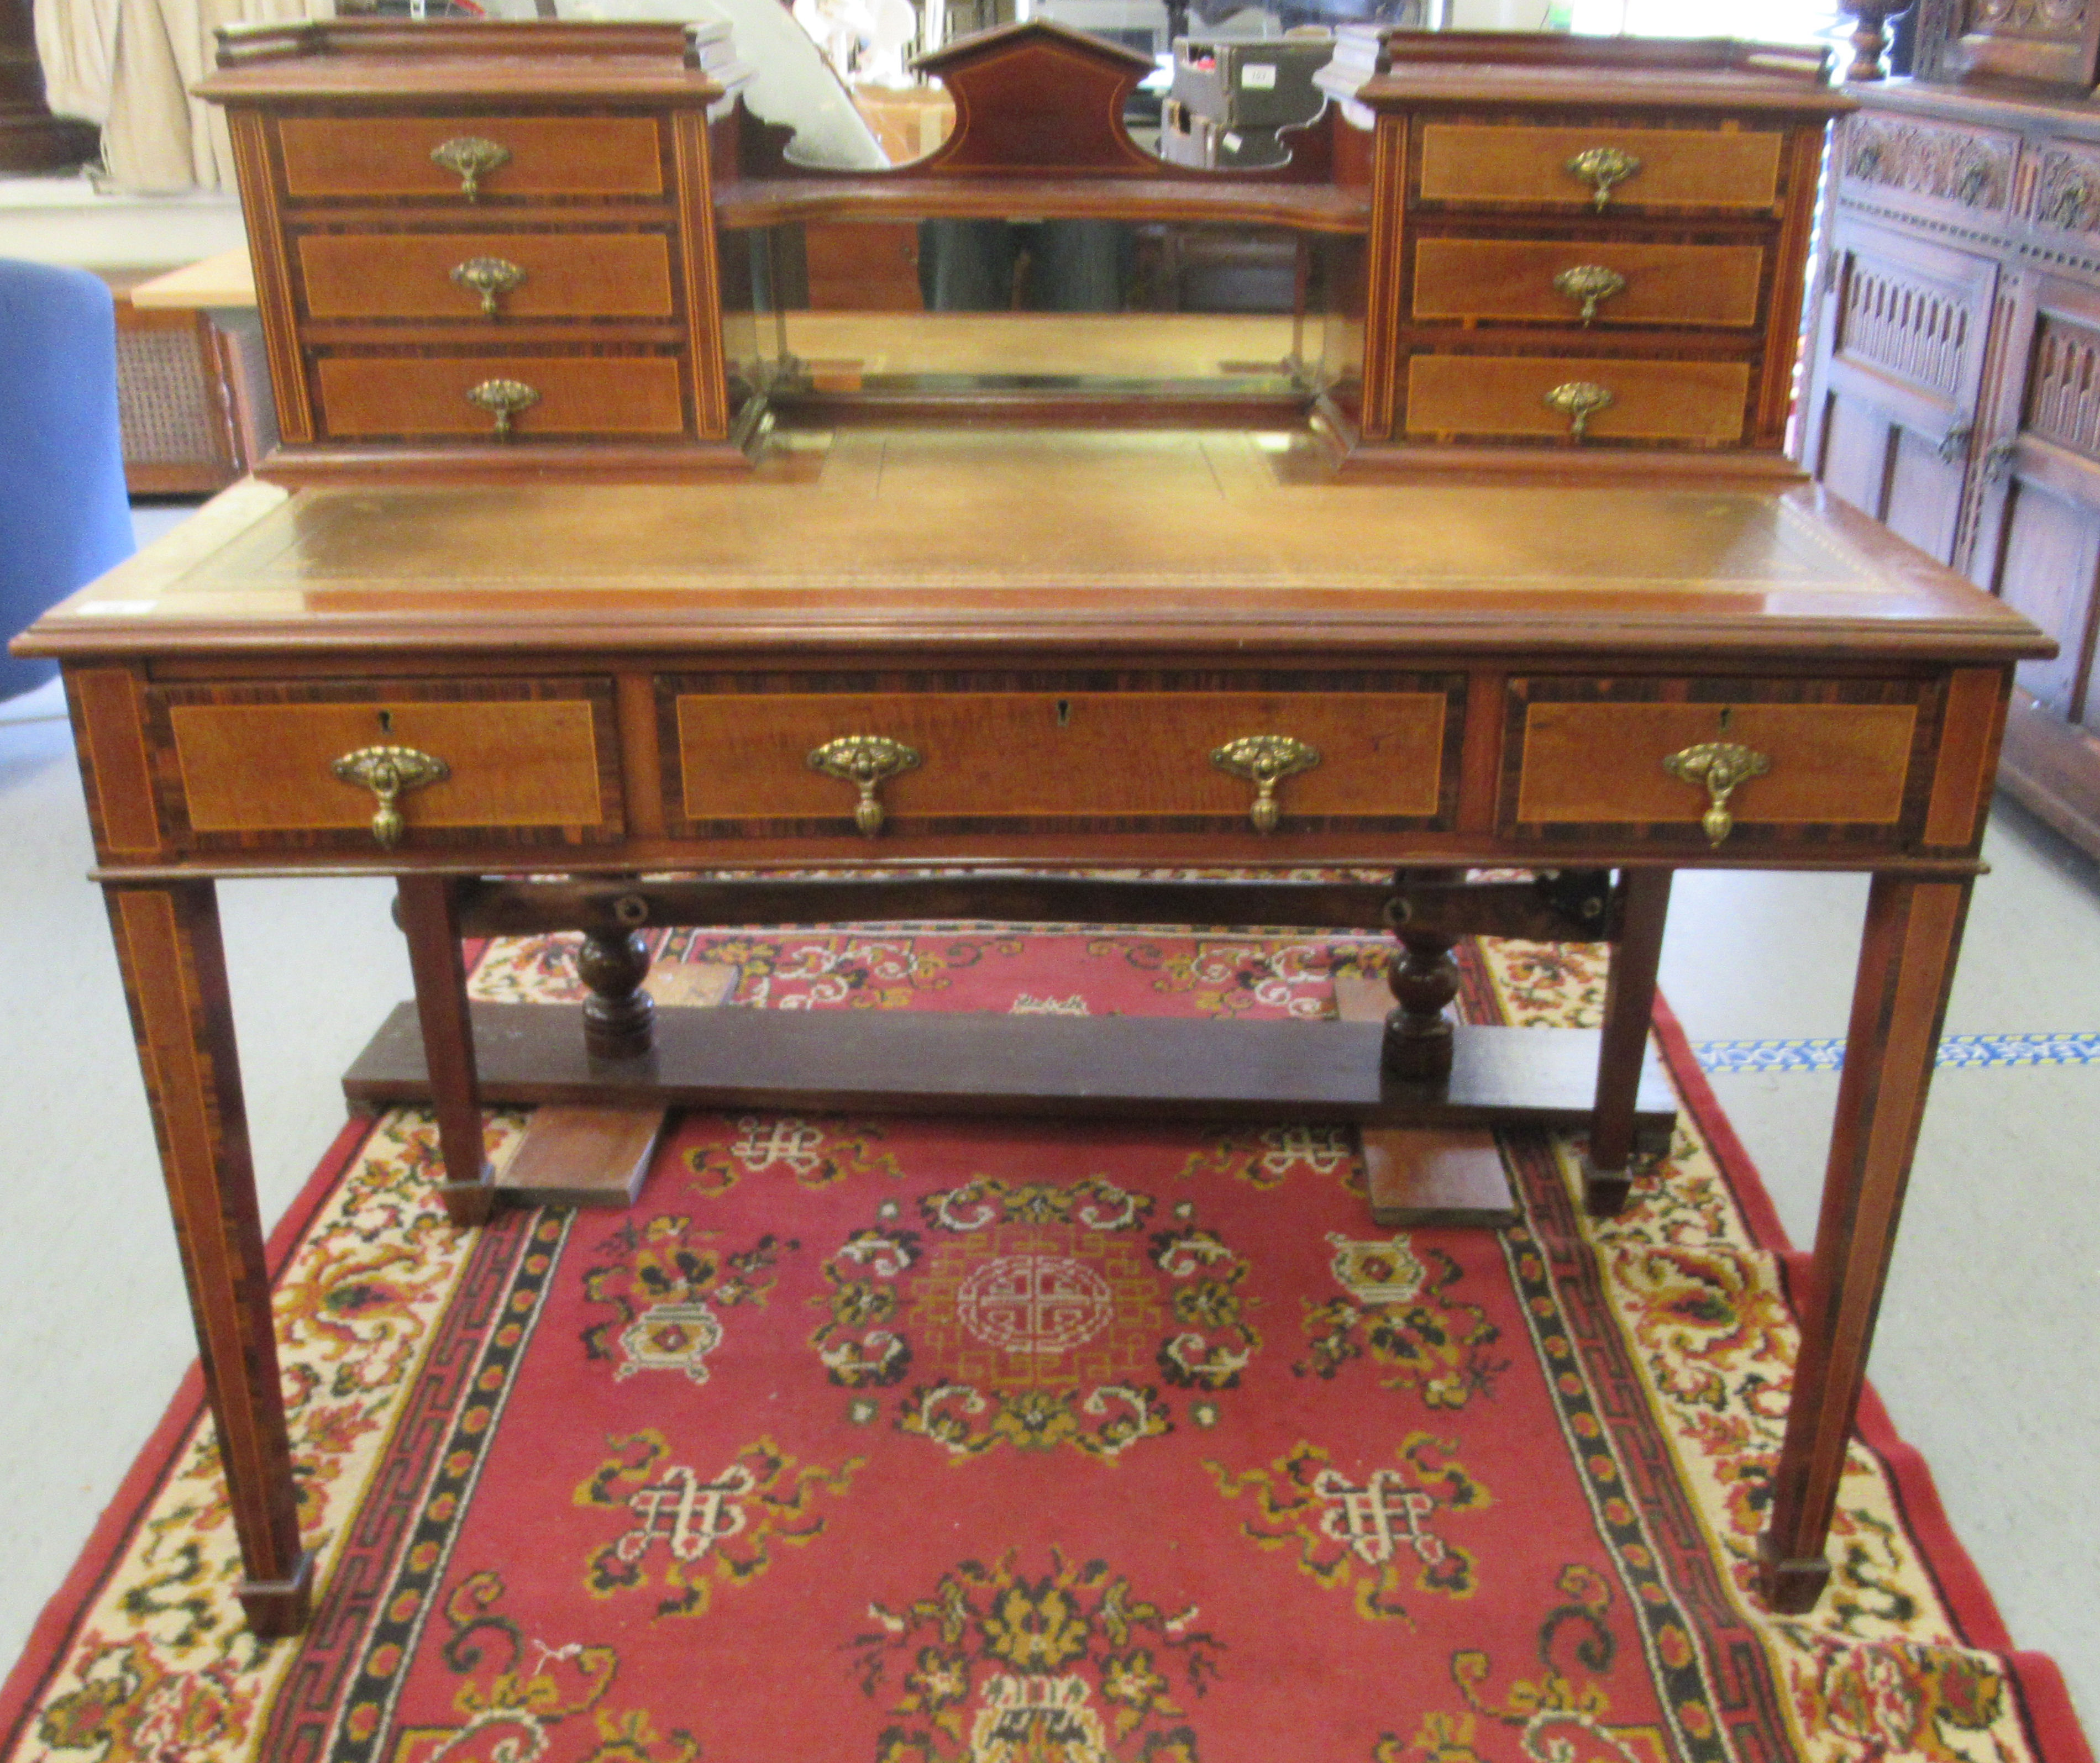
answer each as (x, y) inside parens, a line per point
(532, 251)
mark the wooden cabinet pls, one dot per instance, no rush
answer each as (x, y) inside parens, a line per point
(457, 256)
(1954, 390)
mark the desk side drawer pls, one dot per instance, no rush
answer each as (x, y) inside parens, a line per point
(525, 762)
(376, 397)
(1514, 280)
(739, 760)
(1505, 163)
(1506, 397)
(342, 158)
(1845, 762)
(558, 276)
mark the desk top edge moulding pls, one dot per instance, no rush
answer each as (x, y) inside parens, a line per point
(1530, 255)
(964, 668)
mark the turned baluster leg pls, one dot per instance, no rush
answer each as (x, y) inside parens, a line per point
(620, 1017)
(174, 978)
(1424, 979)
(1870, 40)
(430, 916)
(1629, 1013)
(1906, 967)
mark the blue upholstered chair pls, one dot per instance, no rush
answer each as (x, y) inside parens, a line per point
(65, 517)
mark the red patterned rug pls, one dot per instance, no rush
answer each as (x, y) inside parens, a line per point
(862, 1441)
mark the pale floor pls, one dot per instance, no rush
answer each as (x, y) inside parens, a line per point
(1987, 1354)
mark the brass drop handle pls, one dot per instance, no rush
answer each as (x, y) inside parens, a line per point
(1264, 760)
(488, 276)
(503, 400)
(1603, 168)
(390, 773)
(1578, 401)
(470, 158)
(1589, 282)
(865, 762)
(1721, 766)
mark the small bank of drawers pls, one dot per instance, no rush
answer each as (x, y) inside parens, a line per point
(1634, 262)
(521, 282)
(500, 762)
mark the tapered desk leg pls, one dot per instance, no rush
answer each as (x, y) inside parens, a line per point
(1913, 931)
(1629, 1013)
(174, 977)
(430, 916)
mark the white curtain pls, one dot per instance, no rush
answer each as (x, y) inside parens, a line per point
(128, 64)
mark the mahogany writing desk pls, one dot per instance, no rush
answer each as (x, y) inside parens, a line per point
(997, 657)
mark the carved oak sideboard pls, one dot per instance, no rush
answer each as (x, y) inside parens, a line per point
(1955, 390)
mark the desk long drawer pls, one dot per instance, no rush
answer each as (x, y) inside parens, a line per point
(527, 762)
(1731, 764)
(749, 761)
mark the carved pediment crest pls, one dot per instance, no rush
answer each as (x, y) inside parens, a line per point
(1038, 97)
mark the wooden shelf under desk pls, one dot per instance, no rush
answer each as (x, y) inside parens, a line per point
(962, 1063)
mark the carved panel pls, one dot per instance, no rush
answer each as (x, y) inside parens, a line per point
(1948, 163)
(2050, 42)
(2063, 395)
(1919, 333)
(2051, 21)
(2066, 190)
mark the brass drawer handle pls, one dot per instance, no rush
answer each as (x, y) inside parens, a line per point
(470, 158)
(389, 773)
(1603, 169)
(1720, 765)
(1264, 760)
(1578, 401)
(1589, 282)
(865, 762)
(489, 276)
(503, 400)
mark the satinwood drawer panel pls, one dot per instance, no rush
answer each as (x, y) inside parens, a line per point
(1512, 279)
(1003, 758)
(1701, 402)
(1849, 760)
(427, 394)
(409, 274)
(528, 761)
(346, 157)
(1680, 167)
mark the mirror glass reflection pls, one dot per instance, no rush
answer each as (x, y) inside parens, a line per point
(898, 304)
